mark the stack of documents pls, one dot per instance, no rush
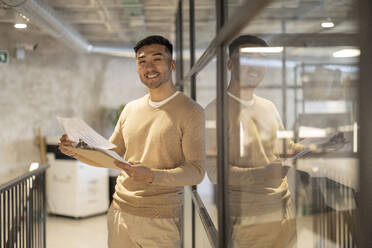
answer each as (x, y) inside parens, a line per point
(89, 144)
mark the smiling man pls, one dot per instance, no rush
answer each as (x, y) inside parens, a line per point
(162, 135)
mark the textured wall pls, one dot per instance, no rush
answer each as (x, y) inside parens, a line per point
(53, 80)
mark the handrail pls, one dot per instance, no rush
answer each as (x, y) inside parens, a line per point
(208, 224)
(16, 180)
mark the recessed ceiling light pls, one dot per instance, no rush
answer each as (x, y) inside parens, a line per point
(20, 25)
(261, 49)
(327, 24)
(346, 53)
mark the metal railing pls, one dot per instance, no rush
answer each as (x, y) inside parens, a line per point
(333, 213)
(23, 211)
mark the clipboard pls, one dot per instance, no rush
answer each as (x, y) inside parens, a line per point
(91, 146)
(98, 158)
(331, 143)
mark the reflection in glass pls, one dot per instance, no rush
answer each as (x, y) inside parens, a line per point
(292, 135)
(261, 208)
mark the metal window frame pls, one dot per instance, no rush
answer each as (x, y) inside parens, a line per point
(179, 47)
(222, 131)
(193, 96)
(364, 221)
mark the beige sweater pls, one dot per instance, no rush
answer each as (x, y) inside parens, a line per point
(169, 140)
(253, 145)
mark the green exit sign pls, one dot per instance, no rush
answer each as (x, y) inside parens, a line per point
(4, 57)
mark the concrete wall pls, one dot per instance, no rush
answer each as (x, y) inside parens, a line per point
(53, 80)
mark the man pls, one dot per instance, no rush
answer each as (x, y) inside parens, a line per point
(162, 136)
(259, 199)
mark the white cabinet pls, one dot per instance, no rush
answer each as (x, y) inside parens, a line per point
(76, 189)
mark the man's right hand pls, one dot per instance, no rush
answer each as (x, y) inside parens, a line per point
(63, 145)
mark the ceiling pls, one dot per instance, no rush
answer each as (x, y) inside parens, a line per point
(119, 22)
(123, 22)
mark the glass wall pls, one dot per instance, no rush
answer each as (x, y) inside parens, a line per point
(205, 25)
(206, 97)
(289, 99)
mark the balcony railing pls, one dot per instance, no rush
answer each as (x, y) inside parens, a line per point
(23, 211)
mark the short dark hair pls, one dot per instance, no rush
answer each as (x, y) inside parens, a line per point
(154, 39)
(245, 39)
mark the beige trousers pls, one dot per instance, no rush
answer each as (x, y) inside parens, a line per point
(280, 234)
(274, 230)
(130, 231)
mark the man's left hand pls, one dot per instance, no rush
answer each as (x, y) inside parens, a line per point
(137, 171)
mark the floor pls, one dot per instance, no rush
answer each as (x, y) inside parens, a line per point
(65, 232)
(91, 232)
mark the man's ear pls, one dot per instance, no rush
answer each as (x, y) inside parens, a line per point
(229, 64)
(173, 64)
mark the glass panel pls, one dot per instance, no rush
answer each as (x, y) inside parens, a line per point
(205, 25)
(186, 36)
(232, 6)
(292, 127)
(206, 96)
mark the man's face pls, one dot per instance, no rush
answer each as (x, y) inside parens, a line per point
(154, 65)
(248, 68)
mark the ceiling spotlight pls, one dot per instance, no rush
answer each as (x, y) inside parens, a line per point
(24, 17)
(261, 49)
(327, 24)
(20, 25)
(346, 53)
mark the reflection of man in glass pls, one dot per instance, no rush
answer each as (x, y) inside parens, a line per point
(260, 204)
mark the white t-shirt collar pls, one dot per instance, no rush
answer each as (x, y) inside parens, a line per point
(161, 103)
(246, 103)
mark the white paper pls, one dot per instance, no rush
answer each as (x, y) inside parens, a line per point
(77, 129)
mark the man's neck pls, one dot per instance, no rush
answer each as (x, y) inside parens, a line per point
(163, 92)
(240, 92)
